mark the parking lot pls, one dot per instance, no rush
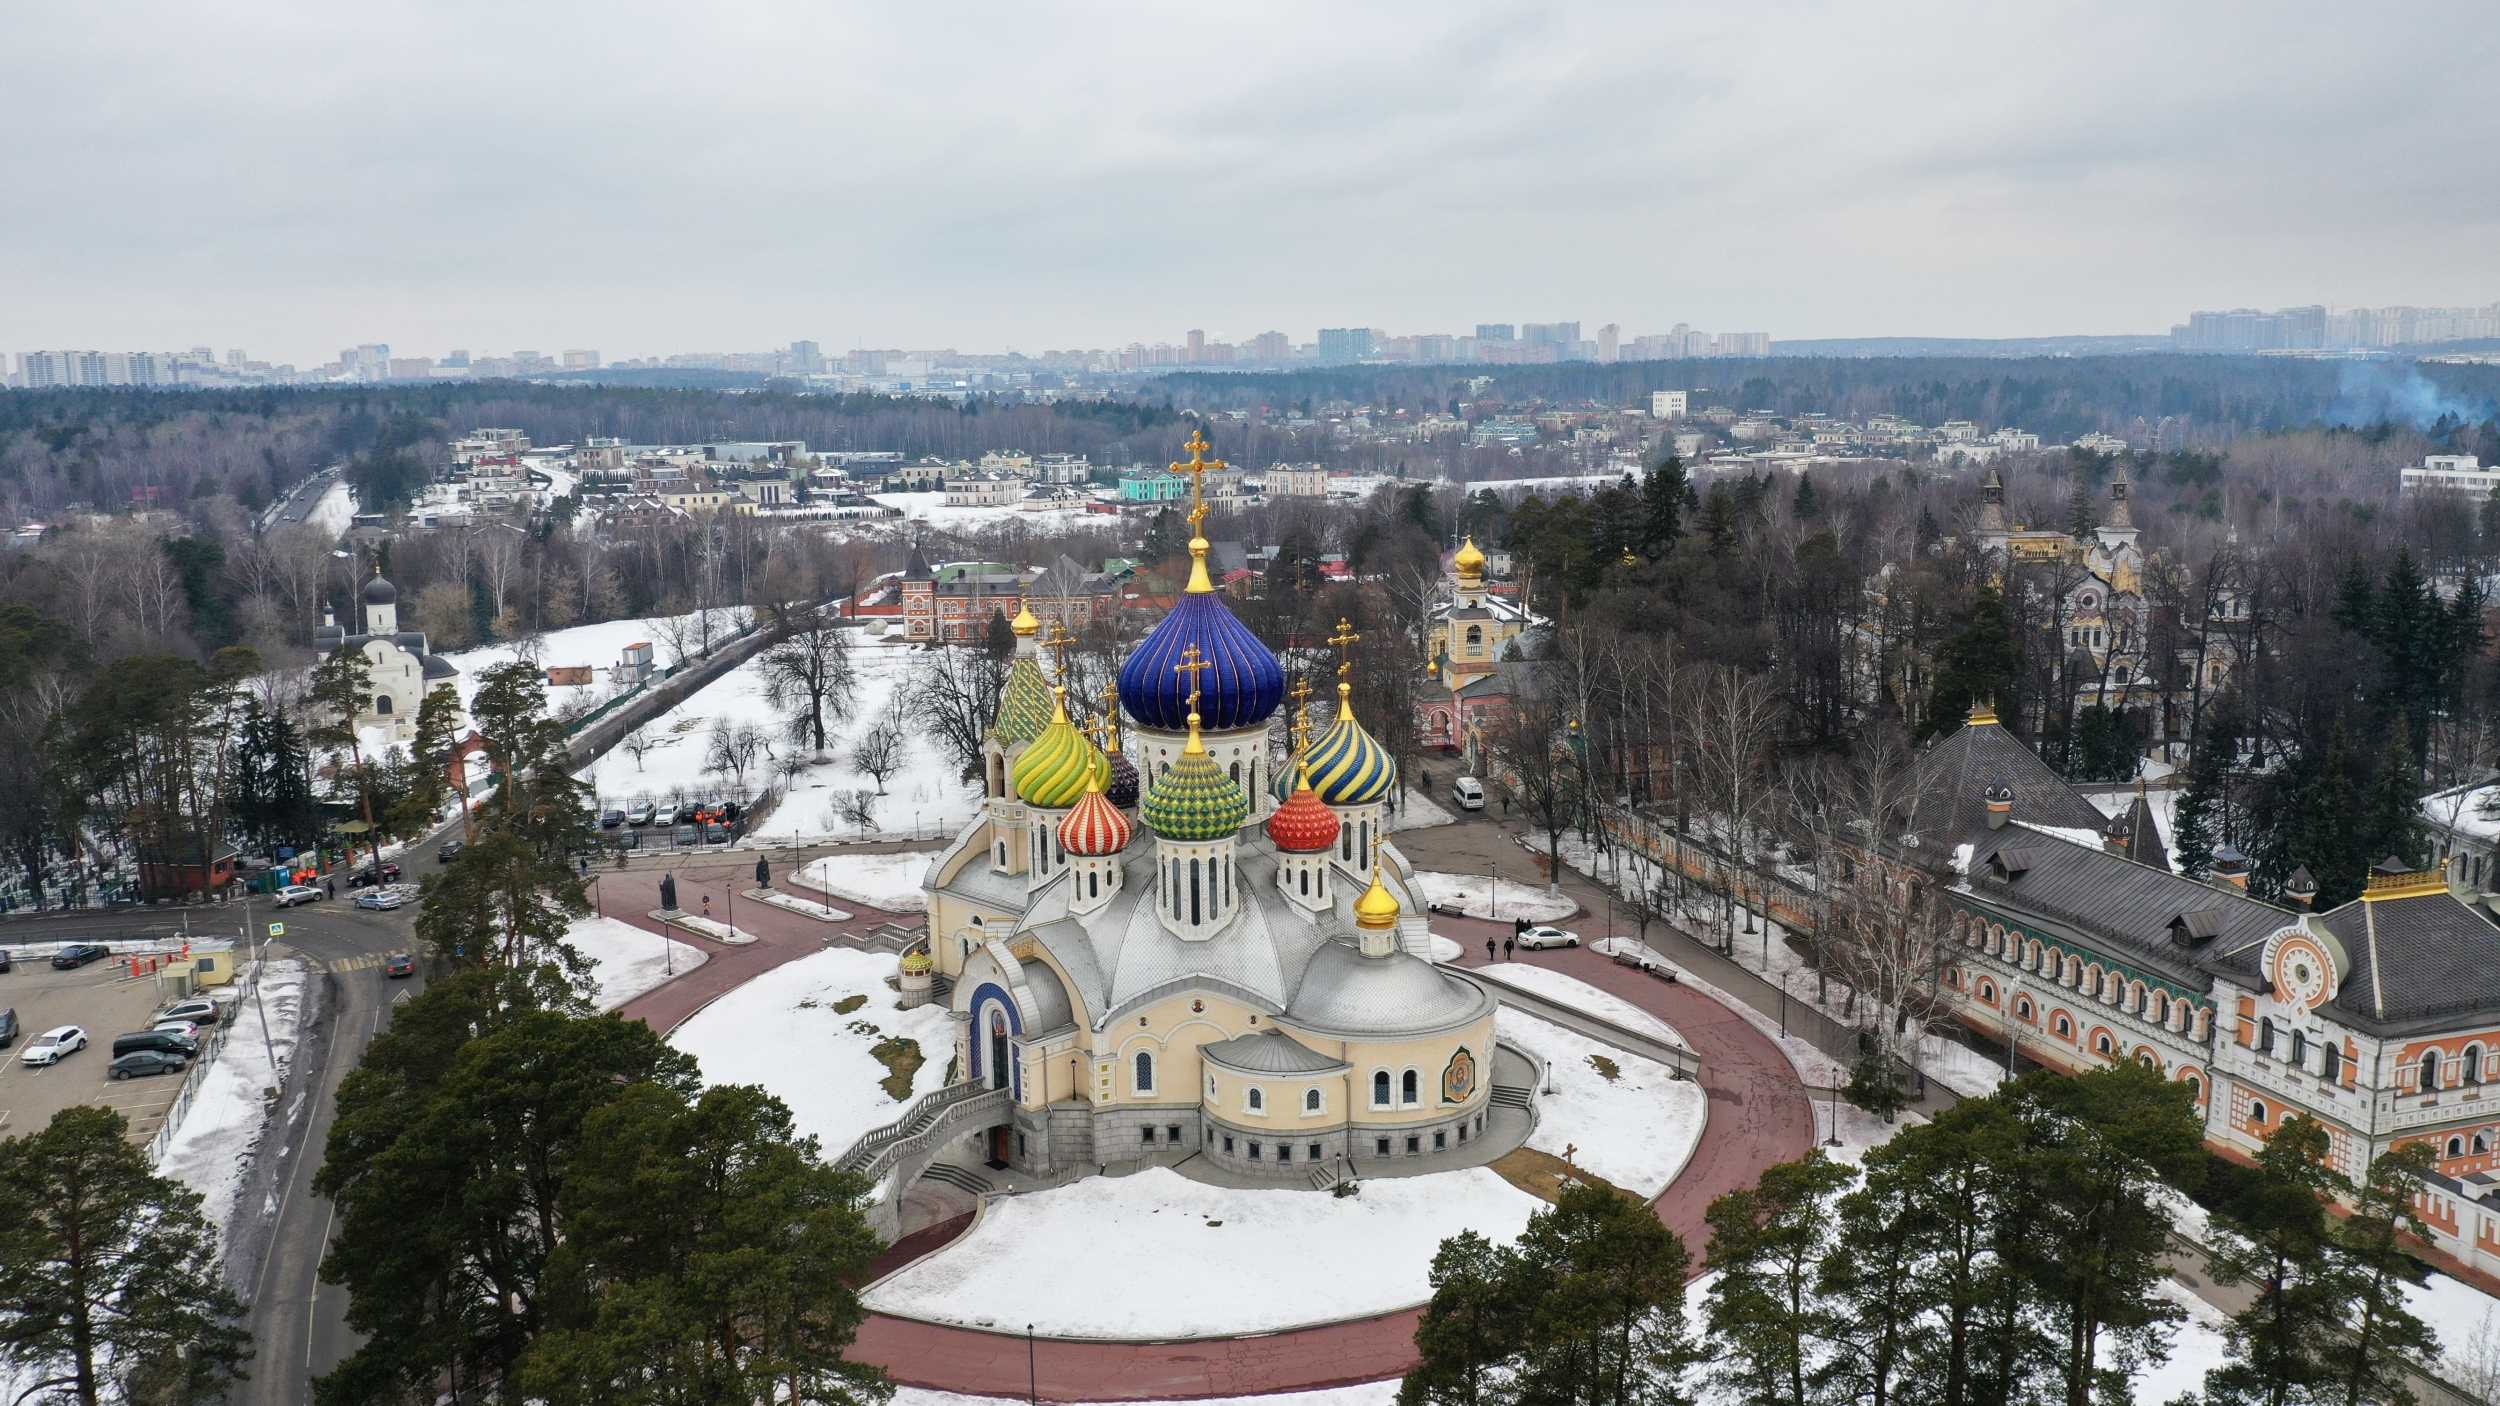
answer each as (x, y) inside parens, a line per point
(106, 1001)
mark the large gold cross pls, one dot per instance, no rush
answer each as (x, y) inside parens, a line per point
(1196, 663)
(1344, 640)
(1197, 468)
(1057, 640)
(1301, 728)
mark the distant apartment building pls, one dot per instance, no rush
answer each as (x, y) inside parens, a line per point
(1669, 405)
(1504, 431)
(983, 491)
(1271, 347)
(2316, 327)
(1338, 345)
(1296, 481)
(2451, 473)
(581, 359)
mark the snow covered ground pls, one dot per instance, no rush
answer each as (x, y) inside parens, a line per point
(1621, 1117)
(336, 512)
(213, 1145)
(782, 1030)
(887, 881)
(926, 796)
(805, 907)
(1191, 1260)
(1417, 811)
(1446, 949)
(1580, 996)
(596, 647)
(1481, 897)
(630, 961)
(930, 508)
(1813, 1066)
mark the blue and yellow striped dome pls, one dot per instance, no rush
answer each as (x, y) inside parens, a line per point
(1243, 686)
(1024, 705)
(1060, 767)
(1348, 766)
(1194, 799)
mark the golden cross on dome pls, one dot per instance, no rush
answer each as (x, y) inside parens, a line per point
(1057, 640)
(1111, 711)
(1196, 663)
(1301, 727)
(1344, 640)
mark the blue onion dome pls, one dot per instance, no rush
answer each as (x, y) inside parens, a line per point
(1122, 787)
(1061, 765)
(1348, 766)
(1194, 799)
(1024, 705)
(1243, 686)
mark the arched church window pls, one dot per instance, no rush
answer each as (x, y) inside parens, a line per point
(1380, 1088)
(1310, 1100)
(1258, 1100)
(2257, 1111)
(382, 704)
(2430, 1071)
(2265, 1035)
(2331, 1061)
(2473, 1064)
(1410, 1088)
(1195, 899)
(1475, 635)
(1145, 1072)
(2300, 1047)
(2456, 1145)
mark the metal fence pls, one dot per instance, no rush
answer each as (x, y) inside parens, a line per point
(196, 1072)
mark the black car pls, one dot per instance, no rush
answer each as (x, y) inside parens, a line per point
(4, 959)
(8, 1027)
(78, 954)
(610, 819)
(450, 851)
(367, 878)
(138, 1063)
(160, 1041)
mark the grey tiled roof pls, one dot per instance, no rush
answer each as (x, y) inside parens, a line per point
(1953, 773)
(2414, 958)
(2123, 908)
(1350, 994)
(1273, 1052)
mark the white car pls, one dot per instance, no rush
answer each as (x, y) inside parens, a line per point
(53, 1046)
(177, 1027)
(293, 894)
(1535, 938)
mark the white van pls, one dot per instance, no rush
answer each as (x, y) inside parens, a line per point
(1469, 793)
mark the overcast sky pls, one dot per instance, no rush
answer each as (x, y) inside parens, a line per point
(639, 178)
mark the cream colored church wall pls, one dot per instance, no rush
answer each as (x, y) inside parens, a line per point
(1173, 1032)
(1427, 1056)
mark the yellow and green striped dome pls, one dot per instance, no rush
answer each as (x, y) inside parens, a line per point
(1348, 766)
(1024, 705)
(1194, 800)
(1061, 765)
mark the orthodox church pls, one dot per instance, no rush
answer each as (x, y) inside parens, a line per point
(400, 670)
(1159, 938)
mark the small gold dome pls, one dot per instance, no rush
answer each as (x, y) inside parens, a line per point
(1025, 622)
(1377, 908)
(1469, 561)
(917, 964)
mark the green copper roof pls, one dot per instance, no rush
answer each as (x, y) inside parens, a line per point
(1023, 705)
(1194, 800)
(1058, 768)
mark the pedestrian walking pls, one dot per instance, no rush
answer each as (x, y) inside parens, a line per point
(1509, 945)
(1488, 949)
(707, 908)
(331, 886)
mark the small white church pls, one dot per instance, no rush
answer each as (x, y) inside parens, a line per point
(402, 671)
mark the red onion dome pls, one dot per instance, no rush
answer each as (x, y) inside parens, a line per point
(1096, 827)
(1303, 824)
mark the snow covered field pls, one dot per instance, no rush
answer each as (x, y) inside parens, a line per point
(1190, 1260)
(930, 508)
(887, 881)
(1481, 897)
(597, 647)
(1417, 811)
(1580, 996)
(630, 961)
(783, 1031)
(925, 796)
(213, 1146)
(1634, 1128)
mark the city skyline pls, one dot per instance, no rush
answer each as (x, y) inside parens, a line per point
(875, 178)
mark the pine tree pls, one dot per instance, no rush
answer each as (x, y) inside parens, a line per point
(2284, 1346)
(342, 684)
(2375, 1267)
(1804, 507)
(2194, 831)
(1767, 1243)
(2326, 826)
(107, 1269)
(1470, 1327)
(1979, 664)
(1663, 498)
(2080, 515)
(2390, 821)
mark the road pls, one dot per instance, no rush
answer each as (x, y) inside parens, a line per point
(299, 502)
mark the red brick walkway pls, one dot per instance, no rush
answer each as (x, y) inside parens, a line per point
(1759, 1115)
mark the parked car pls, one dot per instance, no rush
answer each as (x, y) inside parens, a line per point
(198, 1010)
(665, 815)
(8, 1027)
(1533, 938)
(54, 1045)
(610, 819)
(78, 954)
(450, 851)
(293, 894)
(687, 835)
(189, 1029)
(382, 900)
(716, 834)
(639, 815)
(368, 878)
(168, 1041)
(1468, 792)
(4, 959)
(399, 964)
(140, 1063)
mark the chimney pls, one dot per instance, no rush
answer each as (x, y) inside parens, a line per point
(2300, 888)
(2230, 869)
(2000, 798)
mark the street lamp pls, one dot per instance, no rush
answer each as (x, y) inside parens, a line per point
(1032, 1372)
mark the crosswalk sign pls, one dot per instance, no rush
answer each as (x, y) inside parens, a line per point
(277, 929)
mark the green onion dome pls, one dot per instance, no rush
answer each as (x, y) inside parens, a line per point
(1348, 766)
(1194, 799)
(1024, 705)
(1061, 765)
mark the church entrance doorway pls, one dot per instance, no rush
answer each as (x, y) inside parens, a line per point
(998, 1146)
(998, 1048)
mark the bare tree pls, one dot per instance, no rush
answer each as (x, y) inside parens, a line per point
(1536, 765)
(808, 675)
(732, 749)
(857, 808)
(1735, 719)
(953, 692)
(638, 744)
(879, 751)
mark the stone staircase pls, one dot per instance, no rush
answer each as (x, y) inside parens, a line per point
(1322, 1178)
(1513, 1096)
(960, 1178)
